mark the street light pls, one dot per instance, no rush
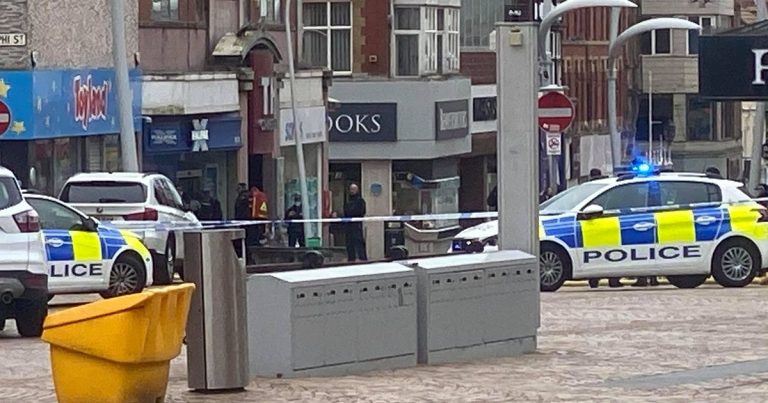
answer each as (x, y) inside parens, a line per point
(545, 58)
(613, 51)
(559, 10)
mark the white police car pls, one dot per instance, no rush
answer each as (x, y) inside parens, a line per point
(85, 256)
(682, 226)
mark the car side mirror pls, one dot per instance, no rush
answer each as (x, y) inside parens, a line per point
(591, 211)
(90, 225)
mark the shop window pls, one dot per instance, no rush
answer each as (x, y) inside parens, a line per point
(327, 35)
(699, 119)
(656, 42)
(730, 114)
(426, 40)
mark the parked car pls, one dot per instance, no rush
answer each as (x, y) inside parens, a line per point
(85, 256)
(23, 278)
(129, 197)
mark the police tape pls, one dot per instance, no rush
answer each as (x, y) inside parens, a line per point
(187, 225)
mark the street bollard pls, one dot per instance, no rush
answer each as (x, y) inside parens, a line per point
(118, 350)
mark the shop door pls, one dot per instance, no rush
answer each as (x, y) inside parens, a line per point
(341, 176)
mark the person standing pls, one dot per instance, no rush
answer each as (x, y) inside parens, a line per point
(242, 204)
(210, 208)
(355, 208)
(295, 229)
(493, 199)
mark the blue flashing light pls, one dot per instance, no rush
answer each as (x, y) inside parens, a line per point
(644, 168)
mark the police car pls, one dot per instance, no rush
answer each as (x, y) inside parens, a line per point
(679, 225)
(85, 256)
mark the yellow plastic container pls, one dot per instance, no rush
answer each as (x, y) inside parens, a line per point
(118, 350)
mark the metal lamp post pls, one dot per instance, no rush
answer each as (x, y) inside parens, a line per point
(545, 58)
(309, 229)
(616, 42)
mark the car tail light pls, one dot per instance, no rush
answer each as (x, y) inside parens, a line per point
(27, 221)
(146, 215)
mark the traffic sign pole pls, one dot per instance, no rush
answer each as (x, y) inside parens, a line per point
(556, 114)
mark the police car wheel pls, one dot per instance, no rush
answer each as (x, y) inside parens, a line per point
(554, 266)
(735, 263)
(30, 315)
(687, 281)
(127, 277)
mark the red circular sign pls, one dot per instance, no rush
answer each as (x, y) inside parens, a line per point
(5, 118)
(555, 112)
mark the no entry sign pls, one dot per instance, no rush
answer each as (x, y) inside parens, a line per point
(5, 118)
(555, 112)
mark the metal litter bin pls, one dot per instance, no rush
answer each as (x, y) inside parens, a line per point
(217, 338)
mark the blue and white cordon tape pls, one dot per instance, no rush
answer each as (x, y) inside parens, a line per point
(186, 225)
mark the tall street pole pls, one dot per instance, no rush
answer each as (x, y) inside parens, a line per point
(129, 155)
(616, 152)
(308, 227)
(756, 164)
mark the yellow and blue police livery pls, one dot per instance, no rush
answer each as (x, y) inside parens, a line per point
(85, 256)
(682, 226)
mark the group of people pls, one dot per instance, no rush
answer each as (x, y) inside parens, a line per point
(203, 205)
(253, 205)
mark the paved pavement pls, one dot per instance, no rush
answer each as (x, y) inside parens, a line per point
(627, 345)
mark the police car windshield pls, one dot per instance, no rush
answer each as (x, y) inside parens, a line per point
(104, 192)
(569, 199)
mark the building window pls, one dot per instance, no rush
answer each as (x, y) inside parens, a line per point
(483, 109)
(271, 10)
(707, 27)
(657, 42)
(165, 10)
(699, 119)
(327, 35)
(426, 40)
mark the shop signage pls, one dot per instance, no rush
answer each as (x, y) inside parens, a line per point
(361, 122)
(164, 137)
(733, 67)
(311, 125)
(199, 135)
(46, 104)
(451, 119)
(91, 99)
(15, 39)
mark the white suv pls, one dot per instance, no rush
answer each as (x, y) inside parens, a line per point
(23, 278)
(121, 197)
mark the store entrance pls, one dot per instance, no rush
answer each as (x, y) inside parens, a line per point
(340, 177)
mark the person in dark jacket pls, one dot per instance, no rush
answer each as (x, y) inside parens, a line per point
(713, 172)
(242, 205)
(210, 208)
(295, 229)
(355, 207)
(493, 199)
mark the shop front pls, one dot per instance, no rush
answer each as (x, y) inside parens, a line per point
(198, 153)
(400, 141)
(56, 123)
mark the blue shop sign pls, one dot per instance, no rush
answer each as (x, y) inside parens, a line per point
(44, 104)
(175, 135)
